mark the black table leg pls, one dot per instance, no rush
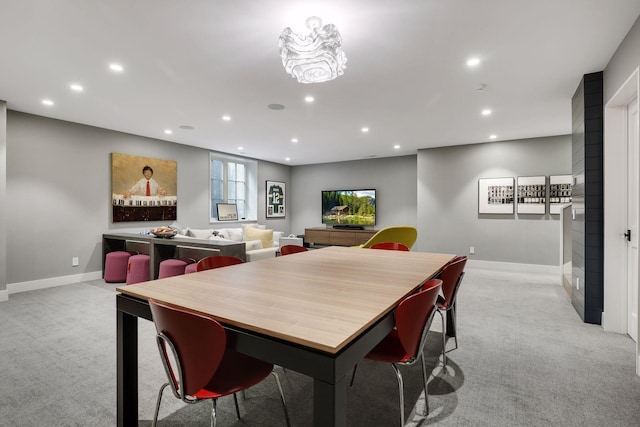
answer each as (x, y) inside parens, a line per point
(127, 369)
(330, 403)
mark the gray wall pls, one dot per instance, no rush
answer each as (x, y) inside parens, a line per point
(3, 196)
(623, 62)
(58, 191)
(448, 219)
(394, 179)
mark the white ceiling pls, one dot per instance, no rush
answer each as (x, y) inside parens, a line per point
(189, 62)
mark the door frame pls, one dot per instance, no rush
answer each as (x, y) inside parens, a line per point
(614, 317)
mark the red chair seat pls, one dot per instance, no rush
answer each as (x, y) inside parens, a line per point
(389, 350)
(236, 372)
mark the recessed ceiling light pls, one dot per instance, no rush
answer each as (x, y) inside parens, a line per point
(309, 98)
(47, 102)
(493, 136)
(241, 148)
(486, 112)
(116, 67)
(472, 62)
(226, 118)
(168, 131)
(294, 140)
(76, 87)
(397, 146)
(287, 159)
(365, 129)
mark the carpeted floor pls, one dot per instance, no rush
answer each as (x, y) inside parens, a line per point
(525, 359)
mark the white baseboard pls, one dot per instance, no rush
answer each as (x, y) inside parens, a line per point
(4, 296)
(51, 282)
(512, 266)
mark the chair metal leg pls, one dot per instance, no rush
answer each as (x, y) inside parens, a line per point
(455, 325)
(284, 404)
(213, 412)
(155, 415)
(444, 340)
(424, 381)
(401, 392)
(235, 400)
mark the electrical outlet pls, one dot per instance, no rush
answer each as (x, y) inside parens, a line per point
(472, 250)
(75, 261)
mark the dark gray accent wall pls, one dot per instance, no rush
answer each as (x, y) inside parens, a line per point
(448, 219)
(58, 191)
(588, 225)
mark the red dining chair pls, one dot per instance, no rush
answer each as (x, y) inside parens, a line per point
(451, 276)
(199, 364)
(404, 345)
(392, 246)
(218, 261)
(292, 249)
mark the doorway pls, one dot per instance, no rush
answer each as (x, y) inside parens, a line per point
(622, 191)
(633, 196)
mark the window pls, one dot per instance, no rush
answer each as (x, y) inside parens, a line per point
(234, 180)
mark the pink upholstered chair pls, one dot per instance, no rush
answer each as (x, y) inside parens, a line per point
(115, 266)
(138, 269)
(173, 267)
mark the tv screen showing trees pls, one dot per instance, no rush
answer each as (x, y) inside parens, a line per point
(349, 207)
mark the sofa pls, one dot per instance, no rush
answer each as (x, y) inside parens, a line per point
(260, 242)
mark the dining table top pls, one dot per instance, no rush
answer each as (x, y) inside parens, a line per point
(321, 299)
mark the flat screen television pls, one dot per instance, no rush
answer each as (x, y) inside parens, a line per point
(349, 208)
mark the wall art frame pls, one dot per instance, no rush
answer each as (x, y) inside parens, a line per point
(532, 195)
(495, 196)
(227, 211)
(275, 199)
(143, 188)
(560, 192)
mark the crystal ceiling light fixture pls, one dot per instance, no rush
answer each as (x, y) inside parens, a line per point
(313, 58)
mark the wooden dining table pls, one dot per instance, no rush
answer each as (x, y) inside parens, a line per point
(317, 312)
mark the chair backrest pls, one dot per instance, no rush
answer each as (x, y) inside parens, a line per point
(391, 246)
(191, 347)
(414, 315)
(451, 276)
(292, 249)
(211, 262)
(406, 235)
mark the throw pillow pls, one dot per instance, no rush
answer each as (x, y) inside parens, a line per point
(251, 233)
(253, 245)
(235, 234)
(199, 234)
(276, 237)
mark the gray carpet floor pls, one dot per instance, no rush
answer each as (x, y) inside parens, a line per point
(525, 359)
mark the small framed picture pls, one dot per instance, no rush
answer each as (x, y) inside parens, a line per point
(495, 196)
(276, 199)
(560, 189)
(227, 211)
(532, 194)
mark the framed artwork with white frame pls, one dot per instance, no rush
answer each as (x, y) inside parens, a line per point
(560, 189)
(495, 195)
(532, 194)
